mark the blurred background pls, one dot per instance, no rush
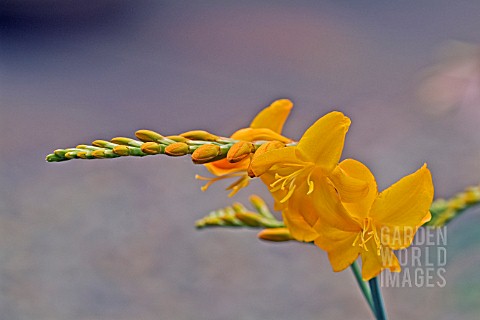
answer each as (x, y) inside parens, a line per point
(115, 239)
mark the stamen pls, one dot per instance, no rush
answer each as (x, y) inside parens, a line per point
(215, 179)
(356, 239)
(368, 232)
(289, 194)
(310, 183)
(238, 184)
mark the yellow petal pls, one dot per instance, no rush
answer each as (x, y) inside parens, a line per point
(298, 227)
(322, 207)
(338, 243)
(222, 167)
(341, 252)
(402, 208)
(425, 219)
(400, 237)
(329, 206)
(258, 134)
(373, 262)
(357, 170)
(406, 202)
(350, 188)
(273, 117)
(301, 212)
(281, 157)
(323, 142)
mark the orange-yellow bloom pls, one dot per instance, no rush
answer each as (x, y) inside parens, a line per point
(375, 225)
(296, 173)
(266, 126)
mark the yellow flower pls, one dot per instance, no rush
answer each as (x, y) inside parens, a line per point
(295, 173)
(266, 126)
(373, 226)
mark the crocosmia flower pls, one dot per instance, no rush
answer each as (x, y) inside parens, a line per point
(296, 174)
(376, 224)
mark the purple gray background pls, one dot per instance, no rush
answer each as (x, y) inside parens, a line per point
(114, 239)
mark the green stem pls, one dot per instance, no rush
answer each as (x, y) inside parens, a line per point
(363, 286)
(377, 299)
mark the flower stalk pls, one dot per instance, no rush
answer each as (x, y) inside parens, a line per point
(377, 299)
(363, 286)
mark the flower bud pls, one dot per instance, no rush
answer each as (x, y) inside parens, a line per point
(275, 234)
(261, 207)
(266, 147)
(127, 142)
(148, 136)
(177, 149)
(104, 144)
(269, 146)
(240, 151)
(99, 154)
(200, 135)
(121, 151)
(472, 195)
(249, 218)
(71, 155)
(60, 153)
(54, 158)
(152, 148)
(205, 153)
(85, 155)
(104, 153)
(177, 138)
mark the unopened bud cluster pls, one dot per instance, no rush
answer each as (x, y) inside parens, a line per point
(445, 210)
(239, 216)
(203, 147)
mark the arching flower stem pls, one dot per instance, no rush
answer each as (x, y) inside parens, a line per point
(377, 299)
(363, 286)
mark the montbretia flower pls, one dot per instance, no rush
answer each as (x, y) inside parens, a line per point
(266, 126)
(294, 173)
(375, 225)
